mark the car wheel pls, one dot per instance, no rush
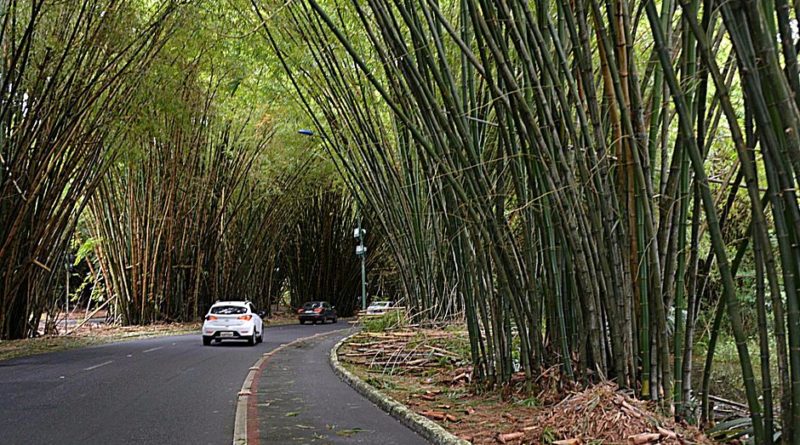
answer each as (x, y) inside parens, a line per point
(334, 319)
(302, 322)
(260, 336)
(252, 339)
(206, 340)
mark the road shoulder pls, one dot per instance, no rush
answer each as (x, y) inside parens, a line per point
(245, 429)
(426, 428)
(299, 399)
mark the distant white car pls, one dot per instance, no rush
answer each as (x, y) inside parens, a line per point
(233, 320)
(378, 307)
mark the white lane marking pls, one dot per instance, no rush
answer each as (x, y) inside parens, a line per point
(151, 349)
(97, 366)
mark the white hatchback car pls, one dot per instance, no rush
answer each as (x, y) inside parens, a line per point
(233, 320)
(379, 307)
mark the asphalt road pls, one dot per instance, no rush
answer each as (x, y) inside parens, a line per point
(168, 390)
(301, 401)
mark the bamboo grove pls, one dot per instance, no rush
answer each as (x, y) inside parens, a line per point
(555, 172)
(135, 136)
(62, 98)
(603, 186)
(186, 224)
(318, 255)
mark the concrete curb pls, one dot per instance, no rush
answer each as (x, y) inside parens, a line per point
(241, 421)
(423, 426)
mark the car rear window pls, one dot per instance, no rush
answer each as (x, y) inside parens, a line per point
(312, 305)
(228, 310)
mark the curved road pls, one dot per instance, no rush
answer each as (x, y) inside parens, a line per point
(167, 390)
(315, 407)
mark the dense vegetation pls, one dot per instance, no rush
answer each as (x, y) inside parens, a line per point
(602, 186)
(143, 169)
(564, 175)
(69, 79)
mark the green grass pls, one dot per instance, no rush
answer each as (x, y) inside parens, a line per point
(530, 402)
(726, 373)
(389, 320)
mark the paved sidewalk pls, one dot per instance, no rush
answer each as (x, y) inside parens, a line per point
(301, 401)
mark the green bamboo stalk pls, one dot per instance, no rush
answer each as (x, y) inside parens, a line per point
(729, 291)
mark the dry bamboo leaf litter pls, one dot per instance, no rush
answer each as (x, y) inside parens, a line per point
(419, 369)
(602, 413)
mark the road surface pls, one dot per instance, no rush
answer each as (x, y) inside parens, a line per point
(168, 390)
(301, 401)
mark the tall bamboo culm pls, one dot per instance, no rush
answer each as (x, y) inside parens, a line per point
(69, 72)
(546, 171)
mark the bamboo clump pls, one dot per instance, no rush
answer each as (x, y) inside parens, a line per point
(545, 171)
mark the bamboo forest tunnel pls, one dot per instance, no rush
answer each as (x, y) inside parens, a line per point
(604, 187)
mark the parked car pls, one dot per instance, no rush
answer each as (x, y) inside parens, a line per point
(317, 311)
(378, 307)
(233, 320)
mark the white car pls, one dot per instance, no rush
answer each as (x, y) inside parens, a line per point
(378, 307)
(233, 320)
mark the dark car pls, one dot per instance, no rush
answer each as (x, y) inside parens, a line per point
(316, 312)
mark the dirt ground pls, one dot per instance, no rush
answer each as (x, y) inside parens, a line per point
(429, 371)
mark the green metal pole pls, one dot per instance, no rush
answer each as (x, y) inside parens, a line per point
(66, 313)
(363, 255)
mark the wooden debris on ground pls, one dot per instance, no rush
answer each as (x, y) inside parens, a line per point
(421, 368)
(602, 413)
(508, 437)
(439, 415)
(400, 351)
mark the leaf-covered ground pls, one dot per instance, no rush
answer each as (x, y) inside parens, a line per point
(429, 371)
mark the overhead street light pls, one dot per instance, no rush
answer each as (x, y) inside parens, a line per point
(358, 233)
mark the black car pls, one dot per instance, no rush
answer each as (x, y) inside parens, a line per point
(316, 312)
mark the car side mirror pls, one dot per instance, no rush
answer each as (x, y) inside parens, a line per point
(333, 307)
(262, 314)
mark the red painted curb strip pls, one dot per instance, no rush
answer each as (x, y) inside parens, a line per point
(249, 395)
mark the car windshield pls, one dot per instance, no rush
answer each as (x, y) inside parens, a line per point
(228, 310)
(312, 305)
(381, 304)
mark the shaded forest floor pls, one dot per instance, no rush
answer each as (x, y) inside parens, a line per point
(429, 371)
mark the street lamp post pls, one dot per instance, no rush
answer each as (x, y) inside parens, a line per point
(66, 305)
(361, 249)
(68, 264)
